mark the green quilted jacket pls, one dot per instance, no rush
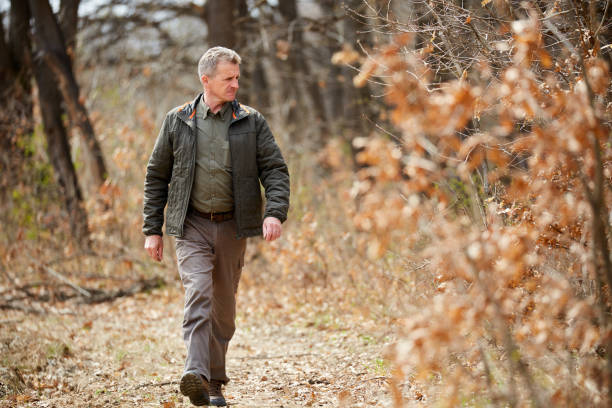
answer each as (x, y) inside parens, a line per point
(255, 158)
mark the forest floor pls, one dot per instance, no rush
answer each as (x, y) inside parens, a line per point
(129, 353)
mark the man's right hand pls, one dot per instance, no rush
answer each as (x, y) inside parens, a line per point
(154, 245)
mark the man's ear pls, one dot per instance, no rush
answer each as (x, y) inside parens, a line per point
(204, 80)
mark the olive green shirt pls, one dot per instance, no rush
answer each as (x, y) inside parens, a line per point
(212, 185)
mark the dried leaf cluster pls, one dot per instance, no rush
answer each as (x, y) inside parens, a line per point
(502, 183)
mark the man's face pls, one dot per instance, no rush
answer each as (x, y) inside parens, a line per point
(222, 85)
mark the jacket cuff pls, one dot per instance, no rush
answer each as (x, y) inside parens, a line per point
(152, 231)
(282, 217)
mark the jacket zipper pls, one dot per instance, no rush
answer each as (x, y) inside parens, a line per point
(191, 175)
(192, 168)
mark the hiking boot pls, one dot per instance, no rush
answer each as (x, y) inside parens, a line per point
(216, 396)
(196, 388)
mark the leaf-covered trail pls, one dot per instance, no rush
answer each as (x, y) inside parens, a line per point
(129, 353)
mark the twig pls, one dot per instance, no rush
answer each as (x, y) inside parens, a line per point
(67, 281)
(152, 384)
(99, 296)
(5, 306)
(595, 195)
(480, 39)
(603, 18)
(446, 41)
(375, 378)
(573, 50)
(515, 365)
(485, 363)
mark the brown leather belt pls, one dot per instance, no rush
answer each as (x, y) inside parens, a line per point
(215, 217)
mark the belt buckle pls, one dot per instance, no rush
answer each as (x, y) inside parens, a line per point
(212, 216)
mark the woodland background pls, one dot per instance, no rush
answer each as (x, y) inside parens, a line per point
(450, 164)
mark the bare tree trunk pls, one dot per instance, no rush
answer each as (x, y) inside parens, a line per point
(68, 19)
(50, 47)
(20, 46)
(299, 66)
(356, 100)
(219, 20)
(6, 66)
(7, 81)
(259, 85)
(229, 27)
(279, 101)
(350, 107)
(50, 101)
(287, 92)
(335, 87)
(243, 38)
(58, 149)
(15, 94)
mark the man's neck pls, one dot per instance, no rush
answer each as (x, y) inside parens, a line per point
(214, 105)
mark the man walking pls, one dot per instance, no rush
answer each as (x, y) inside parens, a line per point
(207, 165)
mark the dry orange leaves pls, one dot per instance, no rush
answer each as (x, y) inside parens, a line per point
(496, 190)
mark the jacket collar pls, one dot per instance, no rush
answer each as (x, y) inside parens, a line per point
(187, 112)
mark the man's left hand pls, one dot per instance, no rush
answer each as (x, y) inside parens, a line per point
(272, 228)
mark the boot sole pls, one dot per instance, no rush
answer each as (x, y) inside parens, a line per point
(218, 402)
(192, 386)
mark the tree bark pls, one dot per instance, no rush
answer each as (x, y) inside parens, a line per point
(15, 94)
(356, 101)
(299, 66)
(50, 101)
(58, 149)
(229, 27)
(350, 107)
(51, 49)
(334, 89)
(259, 90)
(219, 20)
(68, 19)
(7, 77)
(19, 44)
(244, 34)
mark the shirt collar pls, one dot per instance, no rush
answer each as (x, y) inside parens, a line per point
(204, 110)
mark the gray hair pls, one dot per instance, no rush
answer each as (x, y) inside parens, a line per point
(210, 59)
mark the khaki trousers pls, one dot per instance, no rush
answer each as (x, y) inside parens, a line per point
(210, 260)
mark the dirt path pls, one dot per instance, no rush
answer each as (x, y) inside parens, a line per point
(129, 353)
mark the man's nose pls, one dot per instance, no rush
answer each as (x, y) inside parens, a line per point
(235, 83)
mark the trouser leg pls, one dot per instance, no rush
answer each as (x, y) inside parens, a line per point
(195, 256)
(229, 259)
